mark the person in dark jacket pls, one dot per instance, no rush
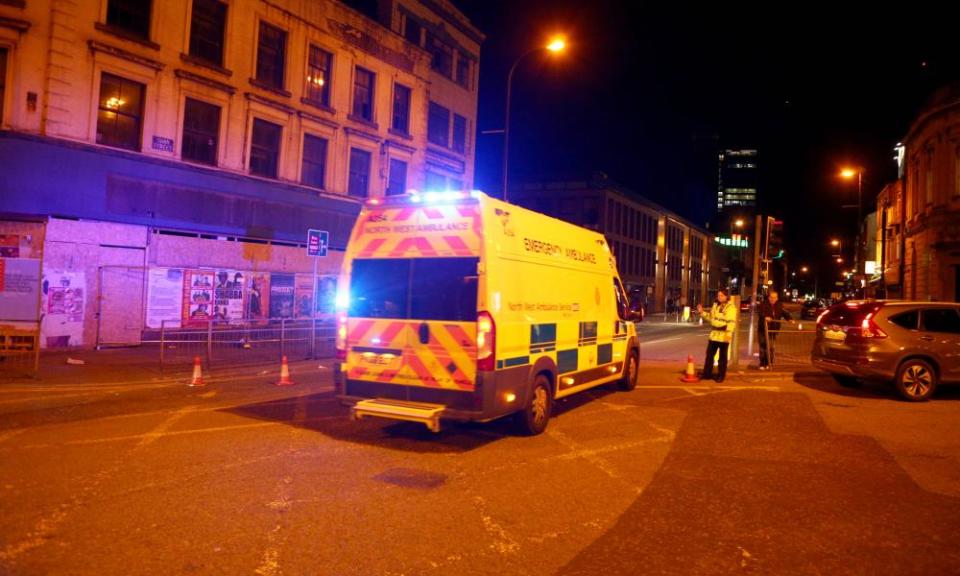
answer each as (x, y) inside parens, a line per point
(771, 312)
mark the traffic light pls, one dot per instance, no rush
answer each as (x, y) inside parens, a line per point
(774, 244)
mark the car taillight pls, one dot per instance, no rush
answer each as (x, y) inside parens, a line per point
(822, 314)
(342, 336)
(869, 328)
(486, 342)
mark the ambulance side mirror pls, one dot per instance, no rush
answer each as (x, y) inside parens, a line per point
(635, 314)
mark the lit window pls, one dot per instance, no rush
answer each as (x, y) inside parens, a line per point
(120, 113)
(318, 76)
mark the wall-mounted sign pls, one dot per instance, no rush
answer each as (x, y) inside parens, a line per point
(163, 144)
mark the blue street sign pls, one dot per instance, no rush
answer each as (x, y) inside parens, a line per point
(317, 242)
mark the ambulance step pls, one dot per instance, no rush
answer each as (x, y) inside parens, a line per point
(427, 414)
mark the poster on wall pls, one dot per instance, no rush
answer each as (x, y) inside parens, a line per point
(197, 297)
(228, 296)
(281, 295)
(258, 296)
(304, 296)
(9, 245)
(326, 294)
(19, 288)
(164, 297)
(63, 299)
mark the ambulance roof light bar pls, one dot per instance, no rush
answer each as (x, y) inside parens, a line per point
(426, 198)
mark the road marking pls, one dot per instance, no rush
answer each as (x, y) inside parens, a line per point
(160, 430)
(648, 342)
(502, 541)
(45, 528)
(11, 433)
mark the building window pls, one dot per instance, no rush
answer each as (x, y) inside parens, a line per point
(412, 30)
(459, 134)
(271, 50)
(207, 24)
(398, 177)
(265, 148)
(131, 16)
(435, 182)
(463, 70)
(359, 183)
(3, 79)
(363, 87)
(314, 161)
(201, 128)
(928, 177)
(442, 55)
(120, 114)
(318, 76)
(438, 125)
(401, 109)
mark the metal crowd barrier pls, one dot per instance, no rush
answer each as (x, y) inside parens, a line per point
(19, 351)
(790, 344)
(224, 342)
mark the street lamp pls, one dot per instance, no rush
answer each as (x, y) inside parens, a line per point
(848, 174)
(557, 44)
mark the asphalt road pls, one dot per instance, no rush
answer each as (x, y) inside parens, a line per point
(782, 473)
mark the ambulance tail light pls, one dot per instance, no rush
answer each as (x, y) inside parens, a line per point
(486, 342)
(342, 336)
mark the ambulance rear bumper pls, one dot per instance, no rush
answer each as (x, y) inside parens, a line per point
(490, 398)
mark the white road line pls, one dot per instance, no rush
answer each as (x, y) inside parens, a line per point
(160, 430)
(648, 342)
(48, 525)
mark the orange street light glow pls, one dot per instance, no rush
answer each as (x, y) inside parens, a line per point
(557, 44)
(848, 173)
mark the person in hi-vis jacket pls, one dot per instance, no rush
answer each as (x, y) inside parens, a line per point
(722, 318)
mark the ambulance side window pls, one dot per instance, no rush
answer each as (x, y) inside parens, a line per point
(620, 299)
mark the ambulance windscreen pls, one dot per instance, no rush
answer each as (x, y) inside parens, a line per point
(415, 289)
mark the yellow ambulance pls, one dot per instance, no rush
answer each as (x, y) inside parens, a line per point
(461, 307)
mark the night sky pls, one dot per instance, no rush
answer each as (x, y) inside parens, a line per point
(646, 96)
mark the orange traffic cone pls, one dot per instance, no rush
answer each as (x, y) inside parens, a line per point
(691, 374)
(197, 379)
(284, 374)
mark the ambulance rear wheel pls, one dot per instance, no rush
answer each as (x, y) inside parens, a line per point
(630, 372)
(533, 419)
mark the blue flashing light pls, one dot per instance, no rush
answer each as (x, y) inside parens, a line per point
(342, 300)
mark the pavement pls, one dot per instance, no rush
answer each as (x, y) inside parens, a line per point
(141, 364)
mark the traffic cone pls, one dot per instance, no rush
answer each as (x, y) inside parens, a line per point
(691, 374)
(284, 374)
(197, 379)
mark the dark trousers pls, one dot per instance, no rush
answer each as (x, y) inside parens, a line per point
(712, 348)
(767, 342)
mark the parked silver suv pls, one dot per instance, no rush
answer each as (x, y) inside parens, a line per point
(916, 345)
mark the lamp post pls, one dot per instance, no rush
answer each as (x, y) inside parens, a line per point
(738, 226)
(555, 46)
(848, 174)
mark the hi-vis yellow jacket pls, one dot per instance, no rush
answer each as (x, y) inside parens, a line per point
(723, 319)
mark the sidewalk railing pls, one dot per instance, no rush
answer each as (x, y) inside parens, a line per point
(789, 342)
(220, 342)
(19, 351)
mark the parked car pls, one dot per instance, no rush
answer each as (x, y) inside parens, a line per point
(745, 304)
(812, 309)
(912, 344)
